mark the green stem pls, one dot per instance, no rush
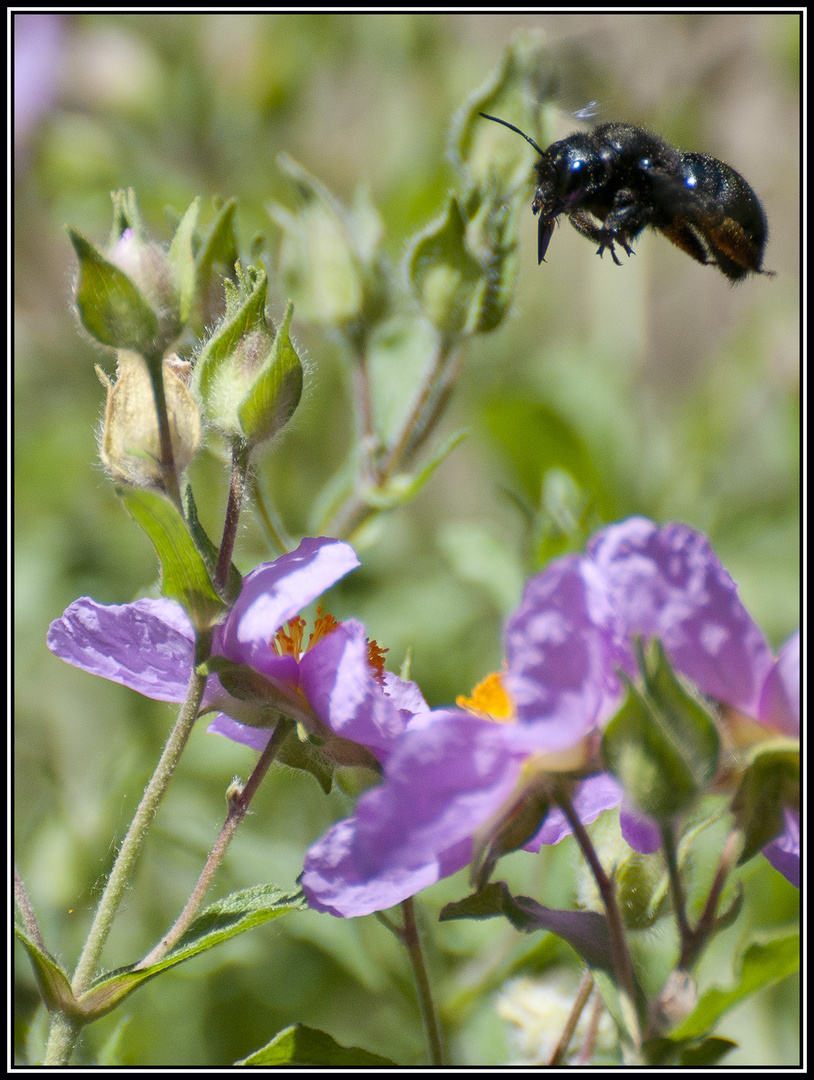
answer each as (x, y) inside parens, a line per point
(62, 1038)
(697, 939)
(237, 483)
(26, 909)
(410, 936)
(424, 415)
(238, 808)
(155, 366)
(622, 963)
(269, 519)
(676, 886)
(63, 1034)
(585, 990)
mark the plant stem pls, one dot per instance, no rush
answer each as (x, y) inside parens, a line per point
(676, 886)
(63, 1034)
(410, 936)
(585, 988)
(622, 964)
(423, 417)
(26, 909)
(237, 484)
(238, 808)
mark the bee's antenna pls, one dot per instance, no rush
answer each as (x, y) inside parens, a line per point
(505, 123)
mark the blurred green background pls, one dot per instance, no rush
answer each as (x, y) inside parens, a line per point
(681, 391)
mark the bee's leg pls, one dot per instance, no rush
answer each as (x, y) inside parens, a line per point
(606, 238)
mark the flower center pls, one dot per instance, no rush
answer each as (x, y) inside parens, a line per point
(489, 700)
(288, 641)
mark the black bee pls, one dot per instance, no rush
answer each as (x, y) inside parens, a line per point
(616, 180)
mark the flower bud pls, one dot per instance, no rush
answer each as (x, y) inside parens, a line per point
(129, 445)
(147, 265)
(320, 265)
(249, 376)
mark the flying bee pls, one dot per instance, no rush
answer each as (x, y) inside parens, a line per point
(614, 181)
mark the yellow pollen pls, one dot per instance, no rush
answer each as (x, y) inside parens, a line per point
(489, 700)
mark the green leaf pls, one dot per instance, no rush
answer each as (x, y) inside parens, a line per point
(687, 1052)
(220, 243)
(301, 1045)
(183, 572)
(54, 986)
(225, 919)
(181, 258)
(111, 306)
(763, 963)
(218, 248)
(585, 931)
(479, 557)
(706, 1053)
(403, 487)
(536, 439)
(126, 215)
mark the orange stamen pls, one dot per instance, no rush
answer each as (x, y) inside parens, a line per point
(288, 642)
(375, 659)
(324, 623)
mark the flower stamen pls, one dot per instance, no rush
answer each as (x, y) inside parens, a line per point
(324, 623)
(489, 700)
(288, 639)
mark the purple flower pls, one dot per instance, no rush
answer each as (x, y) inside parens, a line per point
(331, 687)
(38, 62)
(452, 776)
(779, 711)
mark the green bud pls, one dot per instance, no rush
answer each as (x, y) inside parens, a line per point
(110, 305)
(514, 91)
(515, 825)
(320, 265)
(641, 880)
(249, 376)
(447, 279)
(263, 703)
(662, 744)
(770, 783)
(492, 235)
(139, 295)
(147, 265)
